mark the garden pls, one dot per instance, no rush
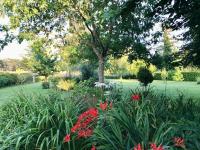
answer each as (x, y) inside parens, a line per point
(100, 75)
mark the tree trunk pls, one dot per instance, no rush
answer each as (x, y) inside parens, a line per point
(101, 70)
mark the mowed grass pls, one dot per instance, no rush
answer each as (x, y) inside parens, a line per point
(173, 88)
(8, 93)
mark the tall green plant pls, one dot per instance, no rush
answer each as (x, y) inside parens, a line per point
(38, 122)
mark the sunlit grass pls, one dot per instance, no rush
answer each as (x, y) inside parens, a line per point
(173, 88)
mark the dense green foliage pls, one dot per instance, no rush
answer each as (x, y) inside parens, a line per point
(43, 121)
(145, 76)
(45, 85)
(87, 71)
(182, 14)
(186, 75)
(7, 79)
(101, 27)
(41, 59)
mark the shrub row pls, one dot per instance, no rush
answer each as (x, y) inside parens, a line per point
(8, 79)
(188, 76)
(124, 76)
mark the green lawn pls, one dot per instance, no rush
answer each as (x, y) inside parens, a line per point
(190, 89)
(173, 88)
(8, 93)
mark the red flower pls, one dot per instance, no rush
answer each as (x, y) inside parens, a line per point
(155, 147)
(103, 106)
(135, 97)
(93, 147)
(138, 147)
(67, 138)
(179, 142)
(85, 133)
(84, 124)
(111, 105)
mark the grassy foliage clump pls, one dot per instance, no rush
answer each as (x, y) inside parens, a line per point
(39, 122)
(90, 118)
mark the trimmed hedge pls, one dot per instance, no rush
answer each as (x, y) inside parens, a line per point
(188, 76)
(7, 79)
(124, 76)
(112, 77)
(129, 76)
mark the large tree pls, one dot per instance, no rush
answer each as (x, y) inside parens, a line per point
(182, 14)
(105, 27)
(41, 60)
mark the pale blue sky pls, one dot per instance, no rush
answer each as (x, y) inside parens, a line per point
(14, 49)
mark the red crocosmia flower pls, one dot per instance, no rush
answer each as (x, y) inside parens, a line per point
(85, 123)
(85, 133)
(138, 147)
(104, 105)
(155, 147)
(93, 147)
(67, 138)
(135, 97)
(111, 105)
(179, 142)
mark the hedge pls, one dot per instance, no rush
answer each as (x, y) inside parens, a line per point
(7, 79)
(188, 76)
(124, 76)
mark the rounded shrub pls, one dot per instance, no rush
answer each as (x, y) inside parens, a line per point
(45, 85)
(198, 80)
(145, 76)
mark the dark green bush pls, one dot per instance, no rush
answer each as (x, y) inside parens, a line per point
(87, 72)
(145, 76)
(8, 79)
(190, 76)
(45, 85)
(157, 76)
(129, 76)
(112, 77)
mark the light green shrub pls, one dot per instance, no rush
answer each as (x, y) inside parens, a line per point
(66, 85)
(177, 76)
(152, 68)
(164, 74)
(136, 65)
